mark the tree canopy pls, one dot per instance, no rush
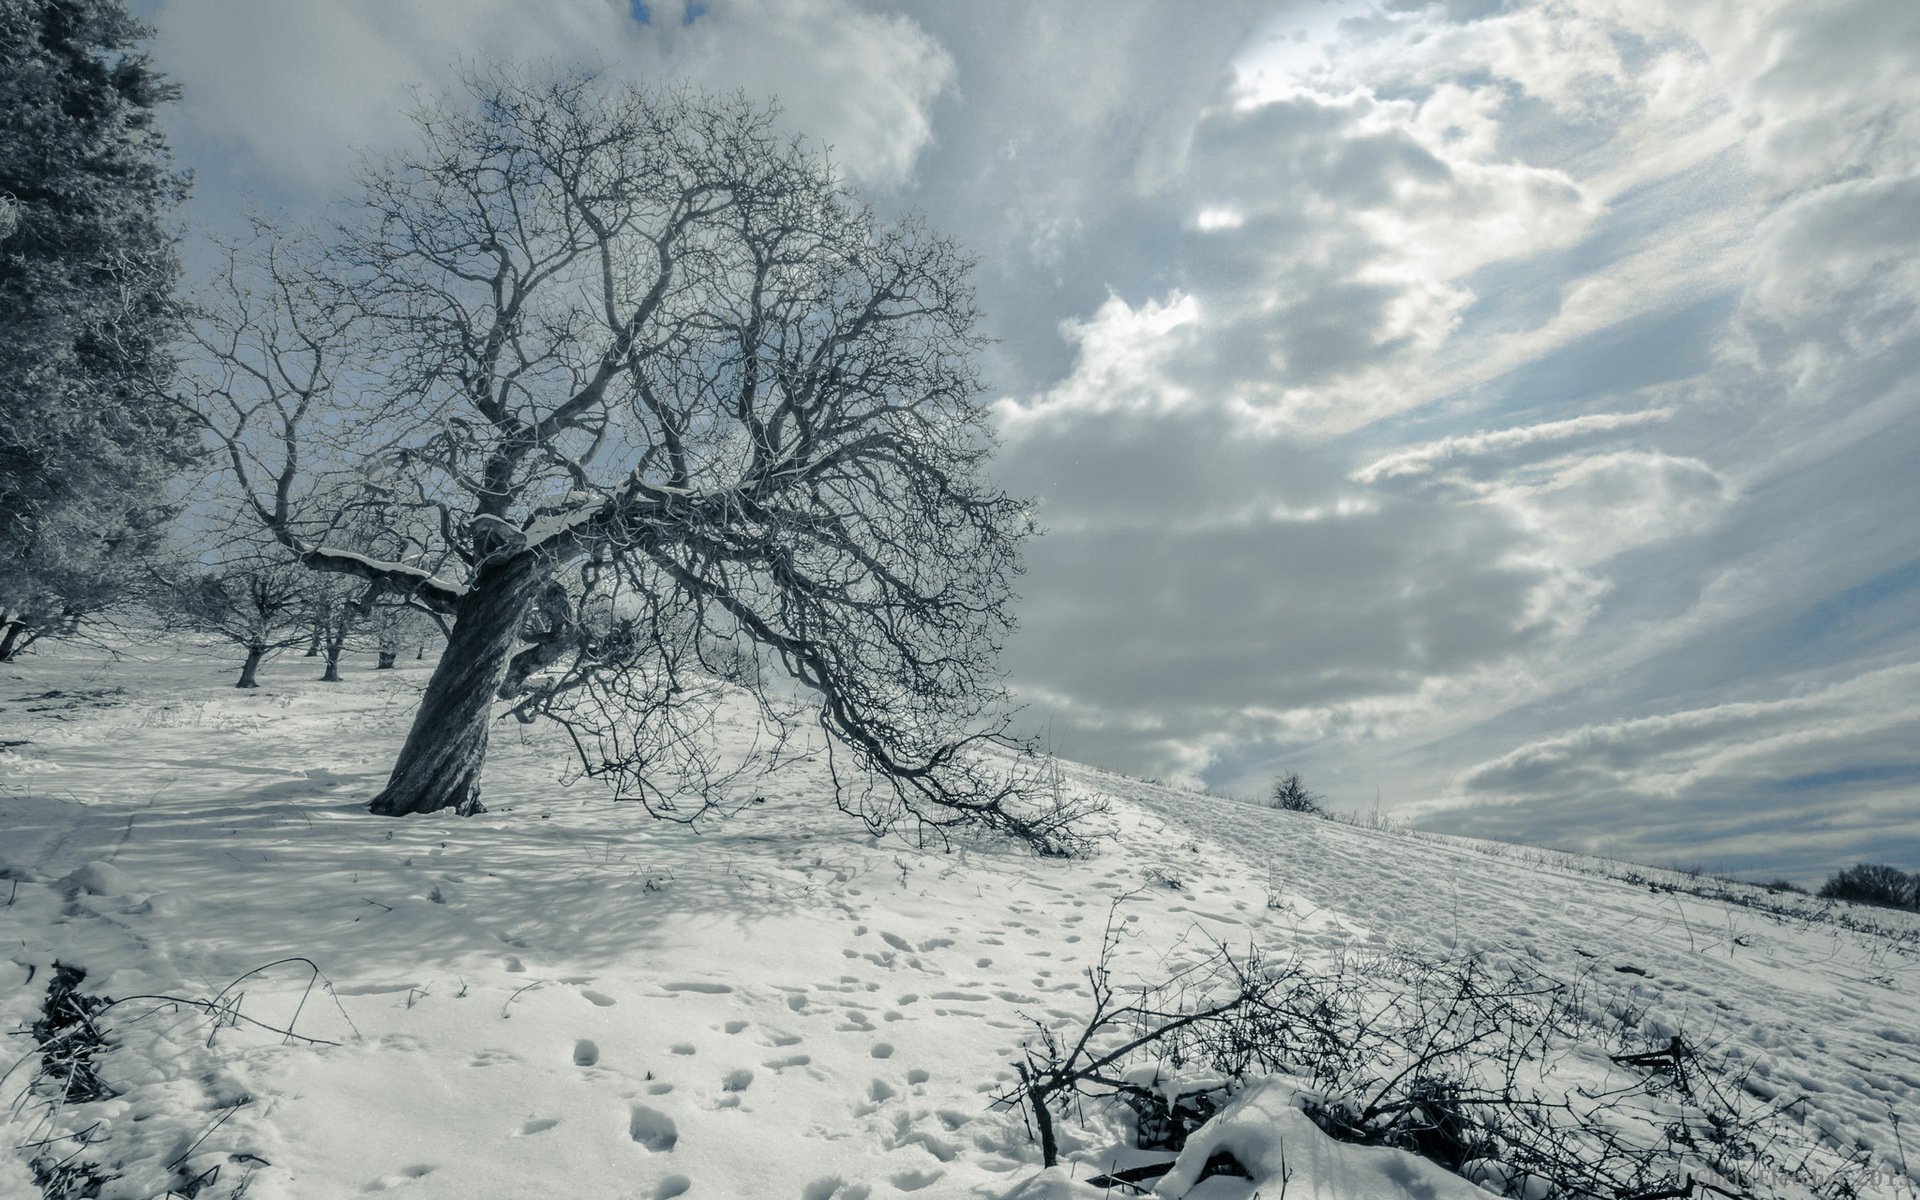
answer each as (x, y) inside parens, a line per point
(642, 392)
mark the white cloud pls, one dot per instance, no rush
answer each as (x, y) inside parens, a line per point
(295, 90)
(1822, 89)
(1837, 269)
(1427, 458)
(1202, 584)
(1829, 764)
(1122, 365)
(1585, 502)
(1355, 222)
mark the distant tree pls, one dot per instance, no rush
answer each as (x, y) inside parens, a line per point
(260, 603)
(340, 606)
(634, 354)
(1873, 883)
(395, 625)
(88, 440)
(1290, 793)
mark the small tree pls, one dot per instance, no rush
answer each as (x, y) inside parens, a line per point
(258, 603)
(1291, 794)
(611, 351)
(339, 605)
(394, 625)
(1873, 883)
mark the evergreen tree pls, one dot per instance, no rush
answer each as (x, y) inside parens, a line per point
(88, 440)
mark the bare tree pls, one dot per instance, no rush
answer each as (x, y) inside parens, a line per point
(259, 603)
(640, 381)
(338, 605)
(394, 625)
(1874, 883)
(1291, 794)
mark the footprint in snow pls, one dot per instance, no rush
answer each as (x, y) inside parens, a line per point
(585, 1053)
(494, 1058)
(882, 1050)
(738, 1081)
(711, 989)
(672, 1185)
(539, 1126)
(597, 999)
(405, 1175)
(913, 1181)
(653, 1129)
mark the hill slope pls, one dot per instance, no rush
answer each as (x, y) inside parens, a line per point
(563, 997)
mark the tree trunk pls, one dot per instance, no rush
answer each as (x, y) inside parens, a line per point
(332, 673)
(439, 767)
(254, 655)
(386, 660)
(10, 640)
(313, 643)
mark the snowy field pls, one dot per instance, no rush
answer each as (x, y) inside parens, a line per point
(562, 997)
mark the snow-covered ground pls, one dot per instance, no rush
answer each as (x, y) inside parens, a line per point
(562, 997)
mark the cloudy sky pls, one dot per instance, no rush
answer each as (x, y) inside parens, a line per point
(1505, 413)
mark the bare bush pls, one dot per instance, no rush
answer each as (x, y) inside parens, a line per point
(1483, 1066)
(1291, 794)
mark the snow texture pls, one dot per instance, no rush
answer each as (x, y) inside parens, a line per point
(563, 997)
(1265, 1130)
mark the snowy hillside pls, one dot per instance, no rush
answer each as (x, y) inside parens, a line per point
(562, 997)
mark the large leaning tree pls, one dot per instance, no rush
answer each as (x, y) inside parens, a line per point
(88, 439)
(649, 401)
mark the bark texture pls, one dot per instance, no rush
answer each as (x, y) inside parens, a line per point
(251, 667)
(439, 767)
